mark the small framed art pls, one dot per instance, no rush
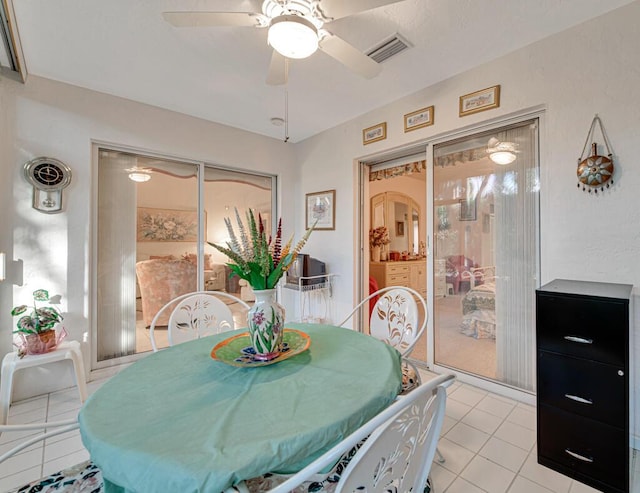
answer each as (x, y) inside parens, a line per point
(482, 100)
(375, 133)
(418, 119)
(399, 228)
(467, 210)
(321, 210)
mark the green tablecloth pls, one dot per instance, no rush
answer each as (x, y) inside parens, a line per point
(178, 421)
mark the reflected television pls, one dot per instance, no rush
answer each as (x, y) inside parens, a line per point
(303, 267)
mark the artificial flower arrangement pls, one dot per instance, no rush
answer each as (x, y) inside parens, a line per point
(259, 260)
(379, 236)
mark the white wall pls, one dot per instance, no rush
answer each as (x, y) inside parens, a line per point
(47, 118)
(592, 68)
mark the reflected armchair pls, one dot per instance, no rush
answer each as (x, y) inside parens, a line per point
(160, 281)
(456, 265)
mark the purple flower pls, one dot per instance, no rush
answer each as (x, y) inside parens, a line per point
(258, 318)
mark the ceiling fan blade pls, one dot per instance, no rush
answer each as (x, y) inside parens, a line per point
(215, 19)
(349, 56)
(335, 9)
(278, 74)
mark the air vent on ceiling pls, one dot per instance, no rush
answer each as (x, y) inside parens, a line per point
(388, 48)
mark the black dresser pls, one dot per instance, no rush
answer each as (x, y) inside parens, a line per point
(583, 381)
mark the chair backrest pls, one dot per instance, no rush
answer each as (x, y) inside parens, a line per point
(395, 318)
(399, 450)
(479, 275)
(49, 429)
(197, 314)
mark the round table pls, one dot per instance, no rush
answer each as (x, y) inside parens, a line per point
(179, 421)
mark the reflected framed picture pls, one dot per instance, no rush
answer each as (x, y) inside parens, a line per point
(467, 210)
(167, 225)
(321, 210)
(399, 228)
(482, 100)
(418, 119)
(375, 133)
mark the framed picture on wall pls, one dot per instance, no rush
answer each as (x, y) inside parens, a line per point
(467, 210)
(399, 228)
(375, 133)
(418, 119)
(321, 210)
(482, 100)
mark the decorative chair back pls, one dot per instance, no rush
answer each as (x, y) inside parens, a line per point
(399, 450)
(195, 315)
(395, 318)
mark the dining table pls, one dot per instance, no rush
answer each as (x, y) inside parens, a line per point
(197, 417)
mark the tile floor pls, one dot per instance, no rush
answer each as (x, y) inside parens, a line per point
(488, 442)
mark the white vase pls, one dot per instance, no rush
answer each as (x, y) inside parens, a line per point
(266, 325)
(375, 254)
(383, 253)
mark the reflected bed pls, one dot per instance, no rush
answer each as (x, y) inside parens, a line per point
(478, 312)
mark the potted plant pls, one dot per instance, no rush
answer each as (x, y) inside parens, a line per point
(37, 327)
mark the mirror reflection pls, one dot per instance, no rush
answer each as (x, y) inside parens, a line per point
(401, 215)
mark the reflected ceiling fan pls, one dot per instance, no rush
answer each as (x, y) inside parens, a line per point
(296, 29)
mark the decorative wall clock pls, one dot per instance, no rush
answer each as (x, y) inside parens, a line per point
(595, 171)
(48, 177)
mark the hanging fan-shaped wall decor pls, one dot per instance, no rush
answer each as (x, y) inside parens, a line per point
(595, 172)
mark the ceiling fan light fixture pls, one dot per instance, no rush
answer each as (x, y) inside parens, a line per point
(502, 153)
(139, 175)
(293, 36)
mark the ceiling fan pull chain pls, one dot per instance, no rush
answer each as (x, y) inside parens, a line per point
(286, 113)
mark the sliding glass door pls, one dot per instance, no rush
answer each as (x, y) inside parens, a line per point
(154, 217)
(485, 210)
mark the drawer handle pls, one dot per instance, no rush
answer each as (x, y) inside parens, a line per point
(578, 399)
(581, 340)
(578, 456)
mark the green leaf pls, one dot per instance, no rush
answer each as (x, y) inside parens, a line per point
(18, 310)
(41, 295)
(24, 331)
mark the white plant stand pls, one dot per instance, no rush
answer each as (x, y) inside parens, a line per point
(315, 299)
(66, 350)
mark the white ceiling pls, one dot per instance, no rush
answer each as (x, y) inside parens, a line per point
(125, 48)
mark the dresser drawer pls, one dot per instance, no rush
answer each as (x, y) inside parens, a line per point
(398, 280)
(587, 388)
(397, 269)
(583, 448)
(589, 328)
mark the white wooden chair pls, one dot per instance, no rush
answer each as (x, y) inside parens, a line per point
(397, 453)
(196, 315)
(396, 320)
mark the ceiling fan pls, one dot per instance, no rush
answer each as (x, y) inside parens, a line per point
(295, 30)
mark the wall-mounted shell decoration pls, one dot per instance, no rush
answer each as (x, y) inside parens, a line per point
(595, 172)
